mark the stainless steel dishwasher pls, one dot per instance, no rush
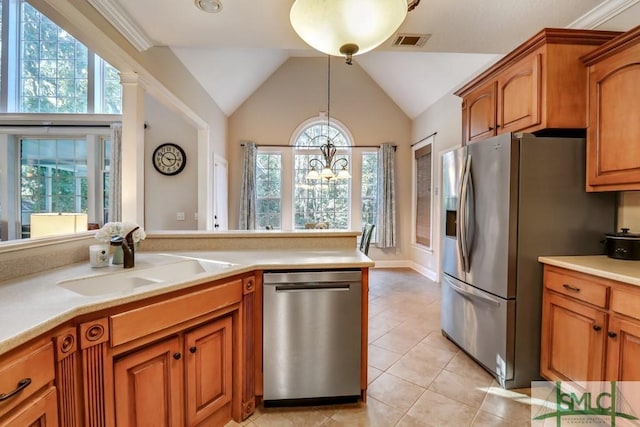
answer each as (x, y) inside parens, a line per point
(311, 335)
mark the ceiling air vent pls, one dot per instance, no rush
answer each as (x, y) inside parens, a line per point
(411, 40)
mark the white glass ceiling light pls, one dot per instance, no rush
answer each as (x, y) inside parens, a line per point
(339, 27)
(210, 6)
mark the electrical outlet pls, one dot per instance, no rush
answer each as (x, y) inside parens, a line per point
(180, 216)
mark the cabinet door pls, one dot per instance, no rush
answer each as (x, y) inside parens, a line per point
(519, 93)
(479, 113)
(573, 339)
(613, 152)
(623, 350)
(148, 386)
(209, 370)
(42, 411)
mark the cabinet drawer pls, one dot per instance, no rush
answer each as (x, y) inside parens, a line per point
(35, 365)
(626, 301)
(133, 324)
(576, 285)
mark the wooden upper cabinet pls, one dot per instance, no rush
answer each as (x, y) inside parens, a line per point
(480, 110)
(519, 92)
(613, 150)
(540, 85)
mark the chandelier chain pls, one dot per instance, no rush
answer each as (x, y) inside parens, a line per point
(328, 94)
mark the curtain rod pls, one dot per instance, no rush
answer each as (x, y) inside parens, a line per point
(426, 137)
(53, 126)
(341, 146)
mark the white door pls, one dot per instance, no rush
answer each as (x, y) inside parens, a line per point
(220, 188)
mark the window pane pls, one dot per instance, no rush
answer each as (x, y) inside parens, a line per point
(423, 196)
(53, 177)
(320, 201)
(111, 90)
(53, 67)
(369, 191)
(269, 190)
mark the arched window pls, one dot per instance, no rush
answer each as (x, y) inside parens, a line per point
(323, 202)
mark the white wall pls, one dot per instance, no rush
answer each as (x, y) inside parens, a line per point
(296, 92)
(629, 211)
(165, 196)
(445, 118)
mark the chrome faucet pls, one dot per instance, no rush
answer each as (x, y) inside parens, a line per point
(128, 248)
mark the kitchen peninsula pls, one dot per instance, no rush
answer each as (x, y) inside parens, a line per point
(83, 353)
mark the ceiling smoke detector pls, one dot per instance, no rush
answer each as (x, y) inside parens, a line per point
(410, 40)
(209, 6)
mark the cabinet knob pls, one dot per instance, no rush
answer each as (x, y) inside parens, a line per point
(177, 356)
(597, 328)
(612, 334)
(490, 127)
(193, 349)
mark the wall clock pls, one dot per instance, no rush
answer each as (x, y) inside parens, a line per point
(169, 159)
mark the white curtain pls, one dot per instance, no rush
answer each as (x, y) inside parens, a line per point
(386, 226)
(248, 198)
(115, 174)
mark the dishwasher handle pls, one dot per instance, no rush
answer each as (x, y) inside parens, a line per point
(306, 287)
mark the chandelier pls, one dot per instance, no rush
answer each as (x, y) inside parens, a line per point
(347, 28)
(327, 165)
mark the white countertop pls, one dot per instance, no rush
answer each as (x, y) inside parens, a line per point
(599, 265)
(32, 305)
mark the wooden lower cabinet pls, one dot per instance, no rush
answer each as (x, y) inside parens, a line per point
(183, 380)
(623, 352)
(590, 328)
(28, 396)
(148, 386)
(41, 411)
(209, 352)
(573, 338)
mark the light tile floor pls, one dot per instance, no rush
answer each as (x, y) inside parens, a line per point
(416, 376)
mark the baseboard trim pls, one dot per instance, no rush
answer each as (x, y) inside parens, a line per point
(429, 274)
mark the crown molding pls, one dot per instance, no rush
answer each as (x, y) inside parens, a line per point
(602, 13)
(113, 12)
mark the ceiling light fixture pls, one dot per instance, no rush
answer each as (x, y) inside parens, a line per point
(328, 150)
(346, 28)
(209, 6)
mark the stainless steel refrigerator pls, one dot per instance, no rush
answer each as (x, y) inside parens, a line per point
(506, 201)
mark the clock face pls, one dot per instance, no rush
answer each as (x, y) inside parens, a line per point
(169, 159)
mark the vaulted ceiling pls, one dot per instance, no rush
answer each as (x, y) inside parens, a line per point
(231, 53)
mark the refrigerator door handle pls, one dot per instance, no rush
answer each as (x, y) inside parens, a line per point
(472, 293)
(469, 221)
(459, 219)
(463, 216)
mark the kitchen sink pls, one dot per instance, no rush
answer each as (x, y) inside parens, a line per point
(133, 279)
(106, 284)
